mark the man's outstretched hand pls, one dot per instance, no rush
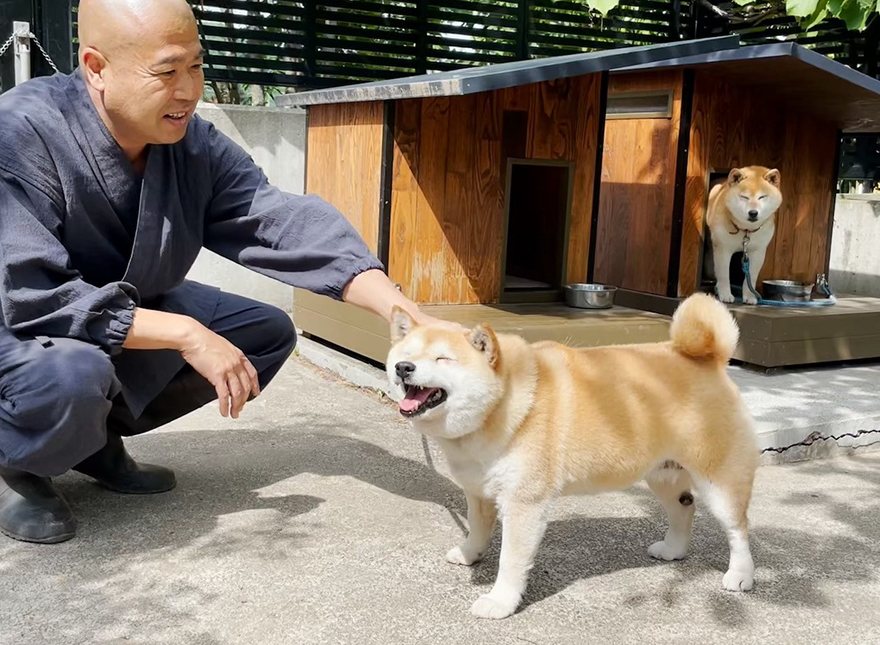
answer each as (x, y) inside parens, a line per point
(223, 365)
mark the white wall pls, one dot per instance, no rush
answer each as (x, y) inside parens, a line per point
(275, 138)
(855, 246)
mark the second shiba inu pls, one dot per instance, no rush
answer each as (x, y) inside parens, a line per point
(521, 424)
(746, 203)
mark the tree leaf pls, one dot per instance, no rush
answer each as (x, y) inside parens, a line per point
(818, 16)
(801, 8)
(603, 6)
(854, 14)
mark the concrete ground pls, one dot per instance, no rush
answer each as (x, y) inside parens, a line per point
(319, 518)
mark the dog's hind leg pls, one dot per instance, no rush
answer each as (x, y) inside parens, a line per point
(728, 499)
(522, 528)
(482, 515)
(672, 485)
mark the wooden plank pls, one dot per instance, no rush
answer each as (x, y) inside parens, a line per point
(849, 318)
(345, 140)
(553, 113)
(405, 195)
(587, 91)
(808, 352)
(429, 257)
(638, 182)
(484, 234)
(460, 203)
(696, 194)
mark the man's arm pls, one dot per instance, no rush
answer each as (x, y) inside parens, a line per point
(40, 294)
(300, 240)
(219, 361)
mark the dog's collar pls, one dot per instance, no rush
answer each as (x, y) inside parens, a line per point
(748, 231)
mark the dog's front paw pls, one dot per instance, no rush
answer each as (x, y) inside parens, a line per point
(738, 580)
(489, 606)
(463, 555)
(725, 296)
(748, 297)
(663, 551)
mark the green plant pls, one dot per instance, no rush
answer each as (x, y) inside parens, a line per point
(855, 13)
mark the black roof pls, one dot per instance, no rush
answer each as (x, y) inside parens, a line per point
(471, 80)
(793, 75)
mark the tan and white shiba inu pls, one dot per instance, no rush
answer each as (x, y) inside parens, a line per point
(746, 202)
(521, 424)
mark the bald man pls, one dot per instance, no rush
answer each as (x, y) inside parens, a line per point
(109, 187)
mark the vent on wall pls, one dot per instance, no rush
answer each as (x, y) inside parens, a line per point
(639, 105)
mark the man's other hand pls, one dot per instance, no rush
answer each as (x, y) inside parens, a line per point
(224, 366)
(219, 361)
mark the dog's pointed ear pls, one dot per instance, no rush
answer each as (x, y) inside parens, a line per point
(483, 338)
(773, 177)
(401, 323)
(736, 175)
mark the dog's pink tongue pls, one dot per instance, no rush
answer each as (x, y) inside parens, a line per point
(414, 398)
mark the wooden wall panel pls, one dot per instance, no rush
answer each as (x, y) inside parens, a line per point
(450, 182)
(345, 162)
(728, 132)
(636, 196)
(405, 193)
(588, 115)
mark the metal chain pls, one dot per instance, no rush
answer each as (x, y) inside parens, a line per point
(6, 45)
(30, 35)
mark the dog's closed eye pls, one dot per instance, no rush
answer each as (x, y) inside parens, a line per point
(444, 358)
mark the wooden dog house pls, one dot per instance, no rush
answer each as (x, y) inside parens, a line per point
(485, 190)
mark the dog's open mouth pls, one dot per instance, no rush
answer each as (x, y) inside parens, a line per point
(421, 399)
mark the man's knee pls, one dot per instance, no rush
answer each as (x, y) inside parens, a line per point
(278, 332)
(57, 401)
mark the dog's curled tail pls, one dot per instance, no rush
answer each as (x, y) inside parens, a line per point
(702, 327)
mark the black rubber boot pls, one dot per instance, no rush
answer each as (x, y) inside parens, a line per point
(114, 469)
(31, 510)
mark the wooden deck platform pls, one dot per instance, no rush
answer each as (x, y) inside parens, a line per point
(769, 336)
(782, 336)
(363, 333)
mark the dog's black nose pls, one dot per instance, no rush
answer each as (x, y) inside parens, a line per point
(404, 369)
(753, 215)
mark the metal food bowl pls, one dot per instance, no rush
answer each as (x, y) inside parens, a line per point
(589, 296)
(787, 290)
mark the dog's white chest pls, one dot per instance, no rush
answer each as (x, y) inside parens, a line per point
(487, 478)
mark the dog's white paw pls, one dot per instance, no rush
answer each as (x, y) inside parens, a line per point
(463, 555)
(738, 580)
(749, 298)
(489, 606)
(663, 551)
(725, 296)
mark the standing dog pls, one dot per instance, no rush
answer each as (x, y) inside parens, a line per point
(521, 424)
(747, 201)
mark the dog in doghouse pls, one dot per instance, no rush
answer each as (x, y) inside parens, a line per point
(743, 205)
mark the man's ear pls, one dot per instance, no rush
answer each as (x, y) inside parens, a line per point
(736, 175)
(773, 177)
(93, 63)
(484, 340)
(401, 323)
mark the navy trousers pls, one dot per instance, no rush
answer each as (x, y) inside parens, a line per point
(59, 397)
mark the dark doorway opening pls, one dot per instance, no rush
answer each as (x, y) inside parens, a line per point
(538, 196)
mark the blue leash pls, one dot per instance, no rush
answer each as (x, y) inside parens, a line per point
(821, 283)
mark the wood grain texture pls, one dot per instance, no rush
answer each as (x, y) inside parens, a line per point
(728, 132)
(586, 133)
(636, 196)
(344, 157)
(450, 174)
